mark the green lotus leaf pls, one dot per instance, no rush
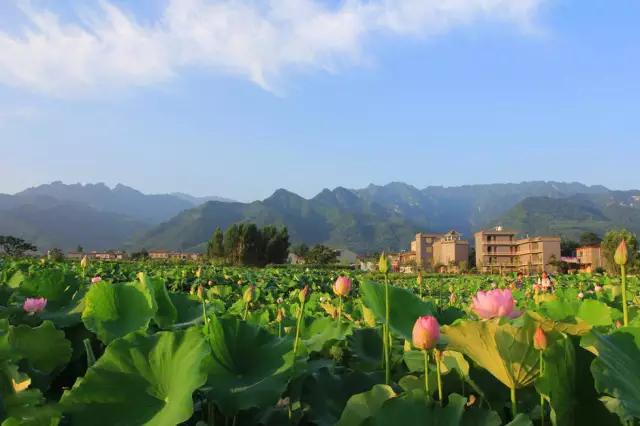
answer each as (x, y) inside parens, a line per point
(323, 331)
(114, 310)
(44, 347)
(404, 306)
(28, 408)
(364, 405)
(327, 393)
(249, 368)
(520, 420)
(597, 313)
(557, 383)
(616, 370)
(504, 349)
(366, 347)
(140, 380)
(166, 313)
(53, 284)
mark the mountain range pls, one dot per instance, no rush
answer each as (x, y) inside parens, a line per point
(364, 220)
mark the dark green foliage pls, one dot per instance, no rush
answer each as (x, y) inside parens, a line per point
(15, 247)
(321, 255)
(246, 244)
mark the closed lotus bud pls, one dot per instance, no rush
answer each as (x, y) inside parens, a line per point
(280, 315)
(303, 295)
(419, 278)
(383, 264)
(84, 262)
(249, 294)
(198, 272)
(342, 286)
(200, 291)
(368, 317)
(426, 332)
(618, 324)
(621, 257)
(453, 298)
(540, 339)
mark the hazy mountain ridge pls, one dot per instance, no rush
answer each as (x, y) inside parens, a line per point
(386, 217)
(378, 217)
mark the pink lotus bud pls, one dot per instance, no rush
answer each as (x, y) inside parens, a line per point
(494, 303)
(426, 332)
(96, 279)
(32, 305)
(618, 324)
(621, 256)
(342, 286)
(598, 288)
(540, 339)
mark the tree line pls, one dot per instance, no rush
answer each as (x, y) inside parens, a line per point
(246, 244)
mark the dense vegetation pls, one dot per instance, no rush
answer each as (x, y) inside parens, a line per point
(160, 344)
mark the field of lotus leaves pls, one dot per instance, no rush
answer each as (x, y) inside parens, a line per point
(163, 344)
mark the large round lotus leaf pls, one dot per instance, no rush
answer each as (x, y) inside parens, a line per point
(616, 370)
(44, 347)
(322, 331)
(557, 383)
(166, 313)
(53, 284)
(366, 349)
(380, 406)
(404, 306)
(140, 380)
(249, 367)
(327, 393)
(364, 405)
(114, 310)
(505, 350)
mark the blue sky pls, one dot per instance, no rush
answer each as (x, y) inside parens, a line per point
(238, 99)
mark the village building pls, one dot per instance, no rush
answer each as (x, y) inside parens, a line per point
(589, 258)
(500, 250)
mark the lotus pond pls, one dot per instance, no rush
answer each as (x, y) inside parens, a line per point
(165, 344)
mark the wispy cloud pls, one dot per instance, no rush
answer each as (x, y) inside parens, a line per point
(262, 41)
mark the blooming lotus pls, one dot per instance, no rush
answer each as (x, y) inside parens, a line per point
(426, 332)
(96, 279)
(342, 286)
(32, 305)
(495, 303)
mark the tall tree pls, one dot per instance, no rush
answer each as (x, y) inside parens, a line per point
(322, 255)
(231, 243)
(215, 247)
(610, 243)
(15, 247)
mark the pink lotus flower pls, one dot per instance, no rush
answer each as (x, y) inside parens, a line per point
(426, 332)
(495, 303)
(96, 279)
(32, 305)
(342, 286)
(598, 288)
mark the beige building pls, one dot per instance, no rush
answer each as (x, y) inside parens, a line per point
(444, 251)
(499, 250)
(175, 255)
(589, 258)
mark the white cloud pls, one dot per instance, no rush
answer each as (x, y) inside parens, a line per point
(261, 40)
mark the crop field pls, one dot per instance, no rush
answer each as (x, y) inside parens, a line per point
(144, 343)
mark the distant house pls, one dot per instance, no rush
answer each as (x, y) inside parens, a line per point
(97, 255)
(173, 255)
(446, 252)
(347, 257)
(589, 258)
